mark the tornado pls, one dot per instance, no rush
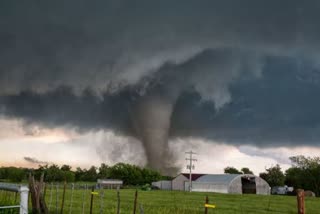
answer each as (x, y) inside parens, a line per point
(151, 118)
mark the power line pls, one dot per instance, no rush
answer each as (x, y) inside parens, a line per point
(190, 167)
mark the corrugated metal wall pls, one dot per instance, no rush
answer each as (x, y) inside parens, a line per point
(207, 187)
(263, 187)
(178, 183)
(231, 186)
(235, 186)
(163, 185)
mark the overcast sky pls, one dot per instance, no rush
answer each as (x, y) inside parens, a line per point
(88, 82)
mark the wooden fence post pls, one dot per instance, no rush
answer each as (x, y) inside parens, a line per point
(300, 200)
(57, 197)
(206, 208)
(135, 202)
(36, 192)
(63, 196)
(118, 197)
(91, 202)
(45, 190)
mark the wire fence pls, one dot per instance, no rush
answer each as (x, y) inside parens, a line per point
(8, 202)
(14, 198)
(86, 198)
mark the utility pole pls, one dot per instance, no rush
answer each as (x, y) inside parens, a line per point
(190, 167)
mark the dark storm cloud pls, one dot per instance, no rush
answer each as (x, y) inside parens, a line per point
(236, 71)
(280, 108)
(92, 44)
(62, 107)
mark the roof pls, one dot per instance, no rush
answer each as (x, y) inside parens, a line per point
(218, 178)
(193, 176)
(109, 181)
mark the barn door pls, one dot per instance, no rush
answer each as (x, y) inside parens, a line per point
(248, 185)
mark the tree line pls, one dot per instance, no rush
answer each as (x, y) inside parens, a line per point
(304, 173)
(129, 174)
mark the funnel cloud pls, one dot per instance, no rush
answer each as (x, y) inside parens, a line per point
(151, 118)
(237, 72)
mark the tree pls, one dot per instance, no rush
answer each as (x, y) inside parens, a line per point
(78, 174)
(69, 176)
(304, 173)
(130, 174)
(295, 178)
(53, 173)
(274, 176)
(231, 170)
(246, 170)
(150, 176)
(66, 168)
(15, 174)
(104, 171)
(3, 173)
(90, 175)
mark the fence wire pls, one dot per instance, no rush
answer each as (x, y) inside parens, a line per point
(8, 202)
(105, 201)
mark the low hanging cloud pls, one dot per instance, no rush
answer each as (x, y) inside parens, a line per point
(238, 72)
(35, 161)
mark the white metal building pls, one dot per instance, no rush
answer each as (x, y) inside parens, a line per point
(110, 183)
(179, 182)
(231, 183)
(223, 183)
(163, 185)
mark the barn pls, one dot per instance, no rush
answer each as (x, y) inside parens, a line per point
(223, 183)
(180, 181)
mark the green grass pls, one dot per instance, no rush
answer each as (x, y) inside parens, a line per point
(170, 202)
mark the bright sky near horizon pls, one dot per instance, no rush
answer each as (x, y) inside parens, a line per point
(63, 146)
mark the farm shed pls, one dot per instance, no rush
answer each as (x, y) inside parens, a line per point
(163, 185)
(109, 183)
(179, 182)
(230, 183)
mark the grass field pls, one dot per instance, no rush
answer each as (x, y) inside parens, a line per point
(170, 202)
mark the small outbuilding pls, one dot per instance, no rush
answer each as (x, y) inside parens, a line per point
(109, 183)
